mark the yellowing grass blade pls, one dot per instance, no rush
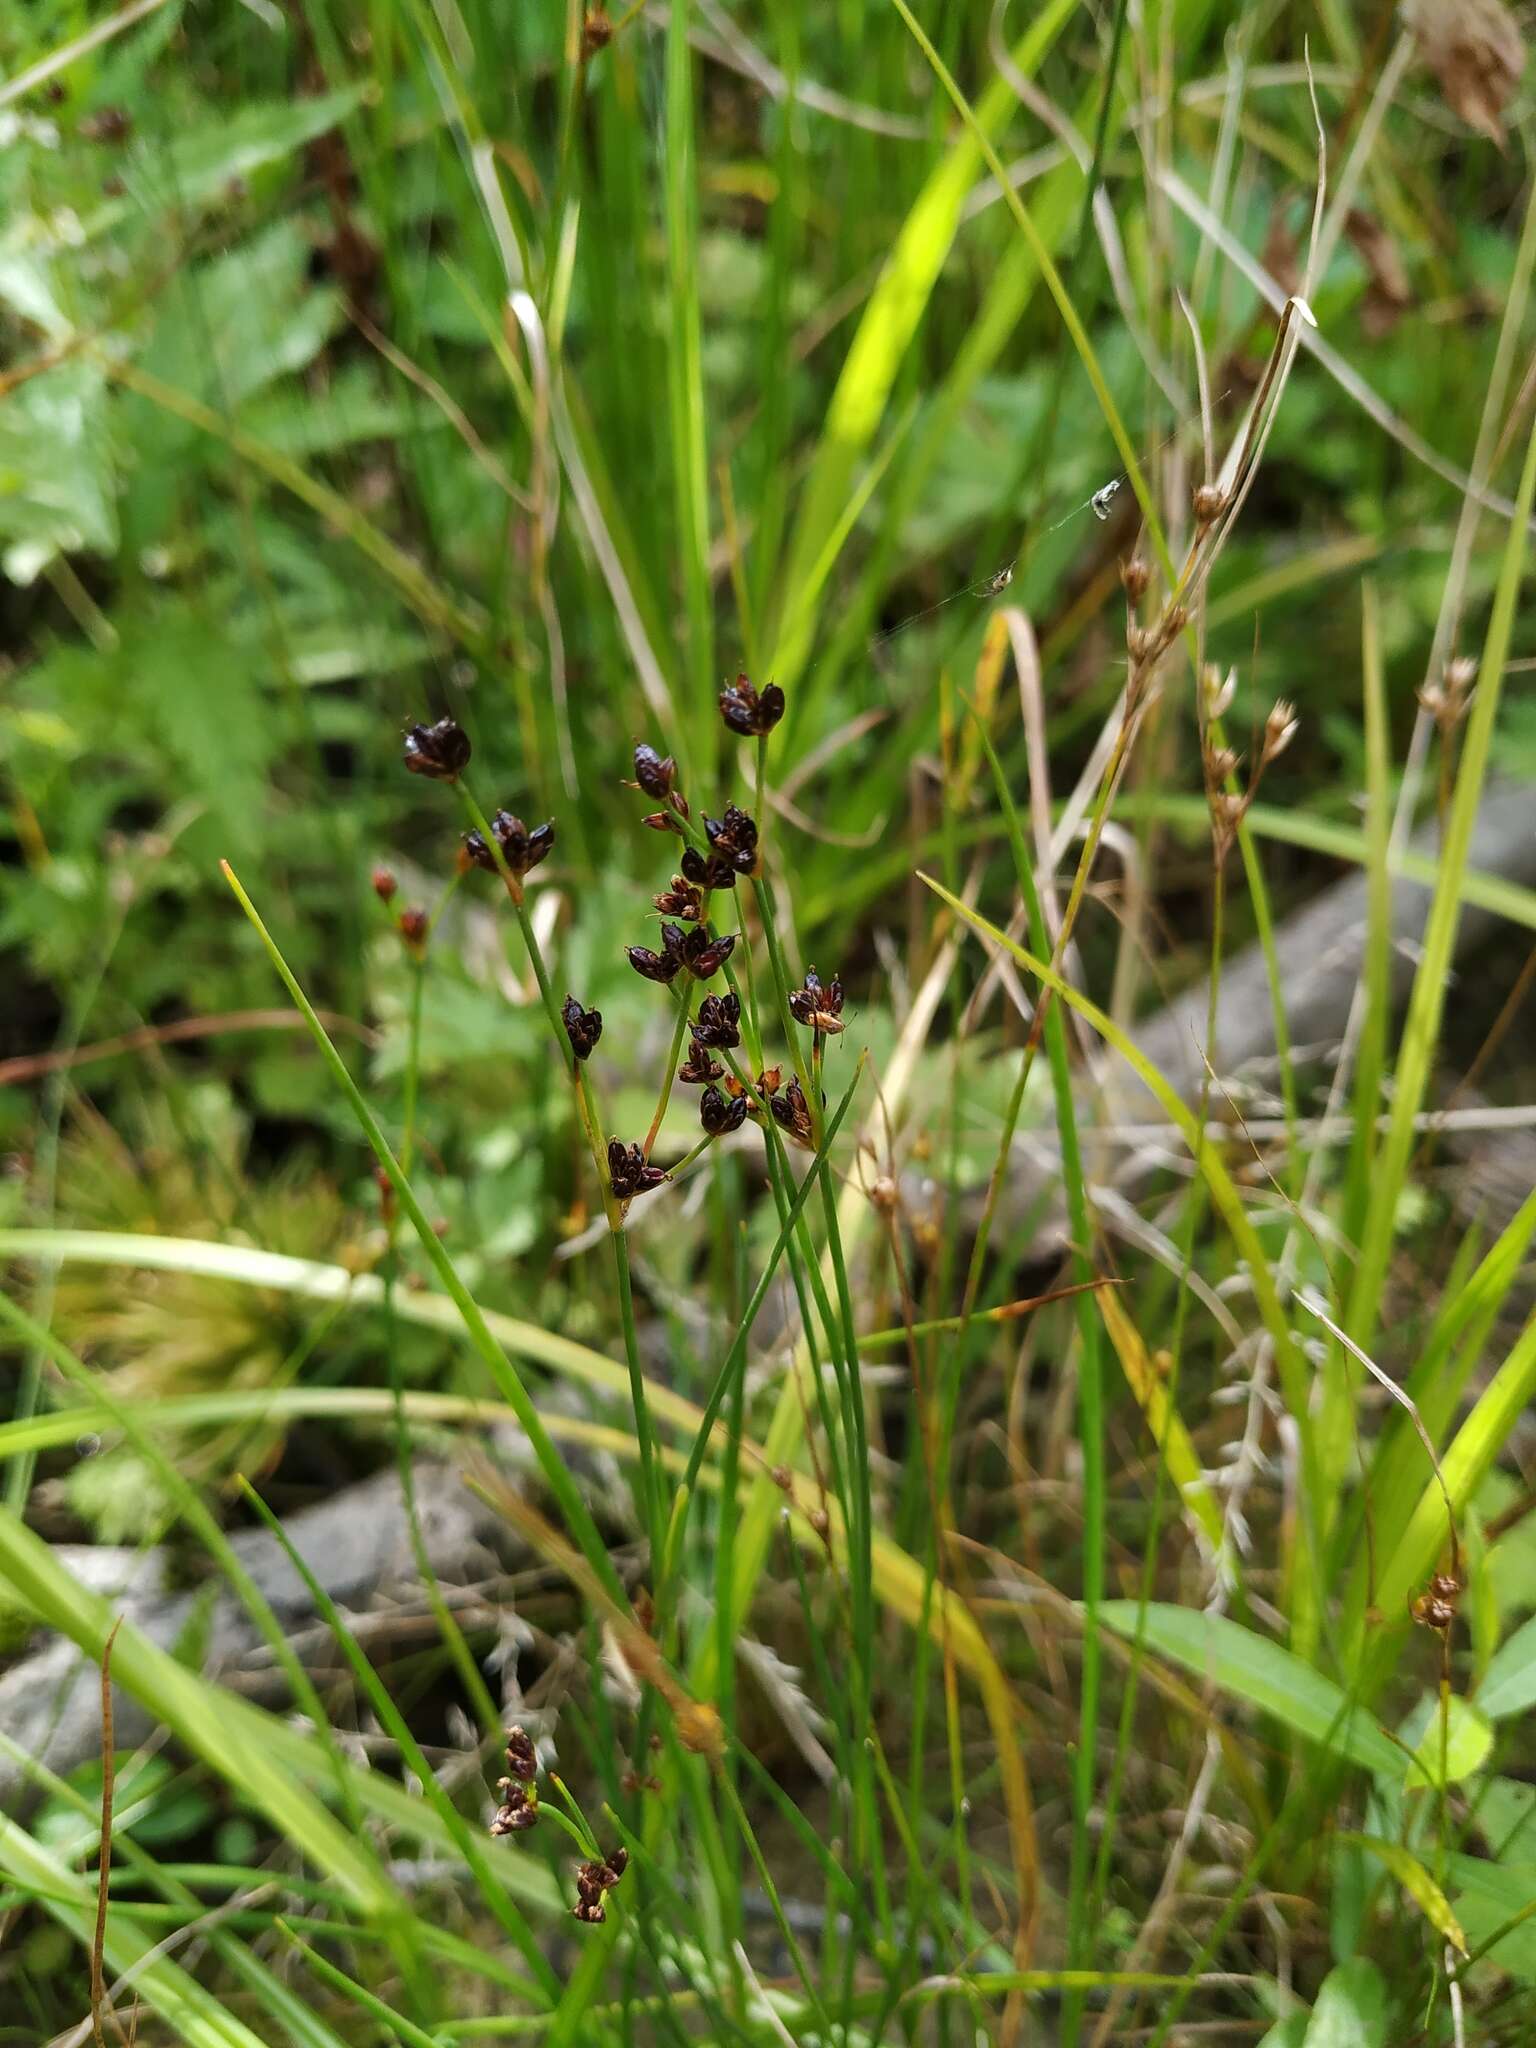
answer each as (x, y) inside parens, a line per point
(1147, 1382)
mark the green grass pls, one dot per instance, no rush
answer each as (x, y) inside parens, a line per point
(973, 1617)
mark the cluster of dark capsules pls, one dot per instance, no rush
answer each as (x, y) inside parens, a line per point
(716, 854)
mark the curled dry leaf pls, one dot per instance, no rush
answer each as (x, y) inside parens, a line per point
(1474, 48)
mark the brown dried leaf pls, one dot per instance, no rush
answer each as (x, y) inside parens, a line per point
(1474, 48)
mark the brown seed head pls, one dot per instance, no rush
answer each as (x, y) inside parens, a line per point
(718, 1023)
(1209, 501)
(1136, 575)
(440, 752)
(699, 1070)
(384, 885)
(521, 848)
(629, 1171)
(582, 1027)
(1436, 1606)
(1279, 729)
(522, 1757)
(751, 712)
(653, 772)
(1217, 690)
(414, 926)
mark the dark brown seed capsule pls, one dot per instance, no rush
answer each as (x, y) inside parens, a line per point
(662, 966)
(582, 1027)
(439, 751)
(711, 872)
(1436, 1607)
(792, 1113)
(518, 1811)
(595, 1878)
(703, 955)
(522, 1757)
(521, 848)
(384, 885)
(733, 838)
(683, 899)
(718, 1023)
(629, 1172)
(590, 1910)
(596, 32)
(653, 772)
(414, 926)
(819, 1006)
(749, 711)
(661, 821)
(721, 1114)
(1136, 574)
(698, 1070)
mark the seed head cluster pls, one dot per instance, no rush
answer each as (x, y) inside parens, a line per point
(717, 853)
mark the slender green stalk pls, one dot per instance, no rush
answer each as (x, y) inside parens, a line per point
(556, 1472)
(492, 1890)
(1421, 1030)
(1090, 1388)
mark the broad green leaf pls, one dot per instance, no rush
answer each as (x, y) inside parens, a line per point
(1509, 1684)
(1498, 1899)
(56, 473)
(1459, 1745)
(1416, 1882)
(1291, 2032)
(244, 318)
(1268, 1677)
(1505, 1812)
(237, 142)
(1351, 2009)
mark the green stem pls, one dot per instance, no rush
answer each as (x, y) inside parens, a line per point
(645, 1440)
(503, 1373)
(684, 1010)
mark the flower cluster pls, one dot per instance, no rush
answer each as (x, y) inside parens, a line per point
(699, 951)
(593, 1880)
(716, 853)
(819, 1007)
(751, 712)
(630, 1173)
(519, 1808)
(521, 849)
(440, 752)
